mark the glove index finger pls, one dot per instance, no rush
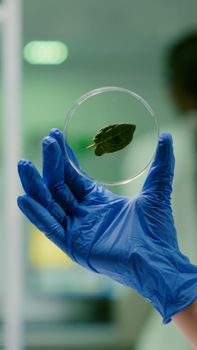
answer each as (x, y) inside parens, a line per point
(57, 134)
(79, 185)
(65, 148)
(53, 162)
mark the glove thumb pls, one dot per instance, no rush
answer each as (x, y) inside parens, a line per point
(160, 177)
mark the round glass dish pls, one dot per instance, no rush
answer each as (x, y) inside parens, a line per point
(98, 109)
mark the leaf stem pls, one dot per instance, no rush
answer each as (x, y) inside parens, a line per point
(91, 146)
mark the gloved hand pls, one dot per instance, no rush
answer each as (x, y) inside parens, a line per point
(132, 240)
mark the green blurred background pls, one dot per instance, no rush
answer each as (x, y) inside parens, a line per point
(111, 43)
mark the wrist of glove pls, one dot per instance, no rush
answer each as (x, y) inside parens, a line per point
(155, 268)
(171, 284)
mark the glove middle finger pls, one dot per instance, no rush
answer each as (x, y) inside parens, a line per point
(35, 187)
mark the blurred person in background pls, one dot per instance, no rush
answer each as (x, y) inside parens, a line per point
(132, 240)
(182, 81)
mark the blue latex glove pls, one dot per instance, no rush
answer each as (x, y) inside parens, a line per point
(132, 240)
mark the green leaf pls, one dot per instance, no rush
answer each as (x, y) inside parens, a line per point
(112, 138)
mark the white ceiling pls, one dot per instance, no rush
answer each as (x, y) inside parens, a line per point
(101, 29)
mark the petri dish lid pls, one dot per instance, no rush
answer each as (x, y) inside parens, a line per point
(105, 107)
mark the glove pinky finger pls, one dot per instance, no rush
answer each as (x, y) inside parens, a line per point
(43, 220)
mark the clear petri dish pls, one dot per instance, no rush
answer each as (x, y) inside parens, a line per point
(103, 107)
